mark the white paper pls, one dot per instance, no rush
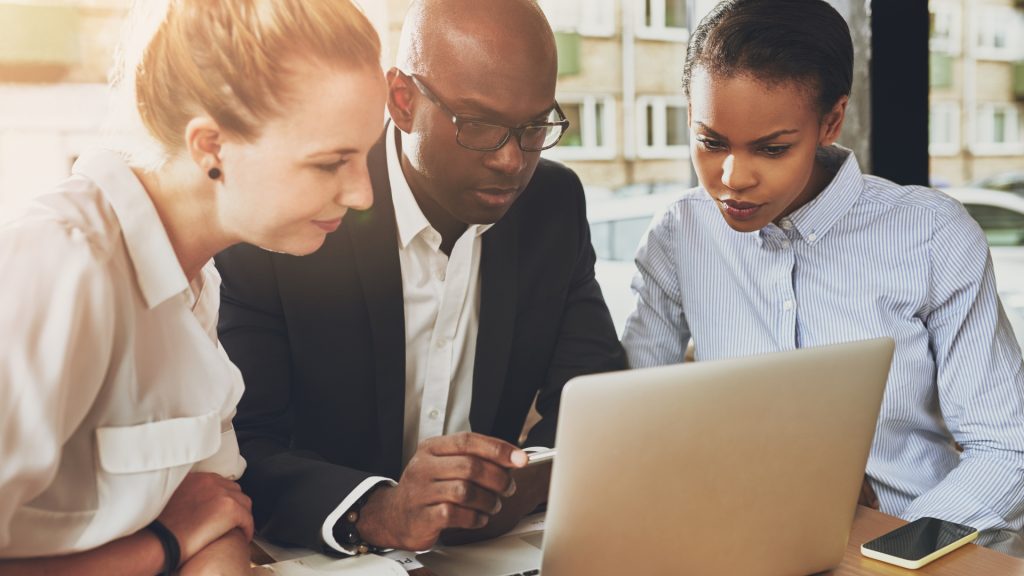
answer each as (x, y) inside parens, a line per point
(531, 523)
(282, 553)
(405, 558)
(318, 564)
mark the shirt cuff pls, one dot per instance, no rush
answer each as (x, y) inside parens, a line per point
(327, 531)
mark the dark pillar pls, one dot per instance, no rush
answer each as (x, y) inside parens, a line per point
(899, 90)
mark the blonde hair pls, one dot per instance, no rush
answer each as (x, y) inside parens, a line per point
(226, 59)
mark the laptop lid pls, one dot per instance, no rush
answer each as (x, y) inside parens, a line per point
(741, 466)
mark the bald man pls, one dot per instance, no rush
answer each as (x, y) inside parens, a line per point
(389, 375)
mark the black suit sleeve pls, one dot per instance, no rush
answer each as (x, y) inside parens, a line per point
(587, 341)
(293, 491)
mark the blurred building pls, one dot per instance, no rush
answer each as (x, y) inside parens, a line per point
(620, 66)
(620, 70)
(977, 89)
(54, 59)
(620, 84)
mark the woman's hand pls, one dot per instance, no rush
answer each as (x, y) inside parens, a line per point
(204, 508)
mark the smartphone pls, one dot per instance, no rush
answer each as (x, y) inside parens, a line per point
(540, 456)
(919, 542)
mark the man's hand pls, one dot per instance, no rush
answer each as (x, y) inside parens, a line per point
(451, 482)
(204, 508)
(531, 491)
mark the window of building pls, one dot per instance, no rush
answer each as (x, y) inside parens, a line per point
(585, 17)
(591, 133)
(662, 20)
(999, 129)
(661, 127)
(944, 129)
(944, 35)
(997, 30)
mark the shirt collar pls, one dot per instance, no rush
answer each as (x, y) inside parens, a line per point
(408, 216)
(814, 219)
(157, 270)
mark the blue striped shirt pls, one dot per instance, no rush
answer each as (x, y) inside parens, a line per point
(866, 258)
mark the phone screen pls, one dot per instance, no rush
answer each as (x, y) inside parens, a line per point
(920, 538)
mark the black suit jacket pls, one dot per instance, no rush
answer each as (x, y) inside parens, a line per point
(320, 340)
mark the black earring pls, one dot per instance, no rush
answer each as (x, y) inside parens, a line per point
(214, 173)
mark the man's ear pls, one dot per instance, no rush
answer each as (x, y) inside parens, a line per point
(400, 99)
(203, 138)
(832, 122)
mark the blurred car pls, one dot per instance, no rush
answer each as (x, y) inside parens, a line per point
(618, 224)
(659, 187)
(1004, 182)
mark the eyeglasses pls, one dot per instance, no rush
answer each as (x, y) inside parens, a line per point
(486, 137)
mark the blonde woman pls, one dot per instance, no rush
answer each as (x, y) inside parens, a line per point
(117, 454)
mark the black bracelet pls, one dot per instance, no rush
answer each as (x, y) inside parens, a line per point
(172, 550)
(345, 532)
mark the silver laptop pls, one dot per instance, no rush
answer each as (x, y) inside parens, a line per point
(742, 466)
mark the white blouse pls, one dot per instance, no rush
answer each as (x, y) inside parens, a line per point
(113, 385)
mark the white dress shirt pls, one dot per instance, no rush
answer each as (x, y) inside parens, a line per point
(113, 385)
(441, 296)
(442, 316)
(866, 258)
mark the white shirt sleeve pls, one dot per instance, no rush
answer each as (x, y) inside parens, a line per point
(328, 528)
(56, 337)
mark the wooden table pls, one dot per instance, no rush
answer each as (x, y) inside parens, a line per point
(970, 560)
(868, 524)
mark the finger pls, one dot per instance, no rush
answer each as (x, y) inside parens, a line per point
(467, 495)
(242, 499)
(241, 518)
(468, 443)
(236, 509)
(449, 515)
(245, 522)
(481, 472)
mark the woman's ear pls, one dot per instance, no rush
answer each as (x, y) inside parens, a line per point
(400, 99)
(203, 138)
(832, 122)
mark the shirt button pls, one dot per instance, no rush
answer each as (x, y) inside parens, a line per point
(442, 342)
(785, 244)
(434, 414)
(812, 237)
(787, 305)
(786, 224)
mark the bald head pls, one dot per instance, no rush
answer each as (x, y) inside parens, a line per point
(497, 41)
(479, 66)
